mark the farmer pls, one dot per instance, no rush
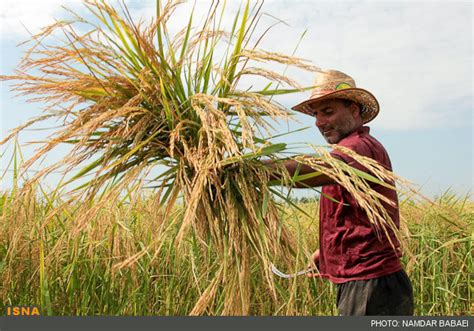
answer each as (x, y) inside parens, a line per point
(366, 269)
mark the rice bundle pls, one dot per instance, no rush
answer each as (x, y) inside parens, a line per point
(131, 98)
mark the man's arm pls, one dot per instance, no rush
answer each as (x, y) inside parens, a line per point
(294, 167)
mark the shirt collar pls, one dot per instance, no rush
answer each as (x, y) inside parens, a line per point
(363, 130)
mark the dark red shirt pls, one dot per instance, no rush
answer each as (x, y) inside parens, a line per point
(349, 246)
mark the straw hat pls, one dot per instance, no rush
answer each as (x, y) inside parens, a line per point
(333, 84)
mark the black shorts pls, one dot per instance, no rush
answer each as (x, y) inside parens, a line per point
(387, 295)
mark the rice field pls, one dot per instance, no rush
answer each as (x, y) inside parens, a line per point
(133, 96)
(113, 266)
(130, 96)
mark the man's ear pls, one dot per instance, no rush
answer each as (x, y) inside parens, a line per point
(355, 110)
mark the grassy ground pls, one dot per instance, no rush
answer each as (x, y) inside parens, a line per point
(104, 262)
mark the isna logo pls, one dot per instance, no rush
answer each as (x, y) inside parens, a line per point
(23, 311)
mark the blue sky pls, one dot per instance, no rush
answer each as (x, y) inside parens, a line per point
(416, 57)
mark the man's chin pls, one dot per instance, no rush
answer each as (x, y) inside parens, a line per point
(332, 139)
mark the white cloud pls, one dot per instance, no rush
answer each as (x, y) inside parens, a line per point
(416, 57)
(18, 14)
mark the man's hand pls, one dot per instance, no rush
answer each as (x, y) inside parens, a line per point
(314, 265)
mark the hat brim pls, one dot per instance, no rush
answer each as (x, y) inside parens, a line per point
(356, 94)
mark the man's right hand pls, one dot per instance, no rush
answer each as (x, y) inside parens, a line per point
(314, 262)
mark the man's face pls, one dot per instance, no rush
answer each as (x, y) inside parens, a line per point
(334, 120)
